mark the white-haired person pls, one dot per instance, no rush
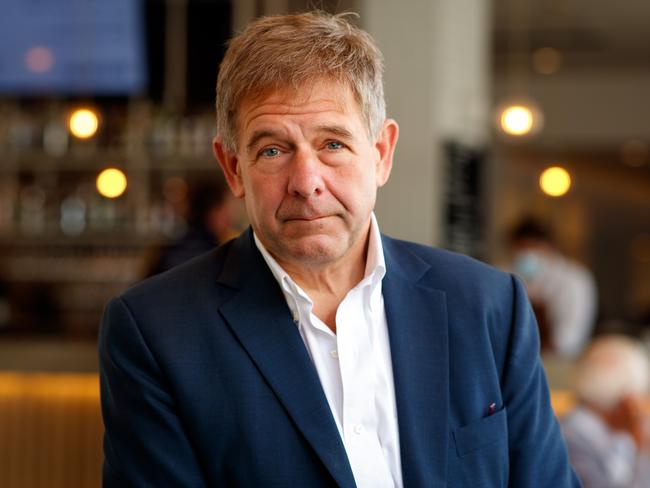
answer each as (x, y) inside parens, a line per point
(607, 433)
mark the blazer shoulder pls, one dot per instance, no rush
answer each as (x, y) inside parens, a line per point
(475, 292)
(449, 270)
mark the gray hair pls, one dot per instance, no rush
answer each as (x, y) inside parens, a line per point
(294, 51)
(613, 367)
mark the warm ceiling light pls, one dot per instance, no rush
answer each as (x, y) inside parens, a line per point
(547, 60)
(555, 181)
(517, 120)
(111, 183)
(83, 123)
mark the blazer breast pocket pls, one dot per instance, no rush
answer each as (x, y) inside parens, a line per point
(481, 453)
(481, 433)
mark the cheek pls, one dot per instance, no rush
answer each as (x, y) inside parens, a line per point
(355, 187)
(264, 195)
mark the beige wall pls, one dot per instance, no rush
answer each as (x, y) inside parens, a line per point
(437, 87)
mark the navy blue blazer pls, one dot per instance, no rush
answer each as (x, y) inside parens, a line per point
(205, 379)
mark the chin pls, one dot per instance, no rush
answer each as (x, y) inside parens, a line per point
(316, 250)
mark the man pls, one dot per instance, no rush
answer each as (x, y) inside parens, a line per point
(562, 291)
(607, 433)
(210, 217)
(314, 351)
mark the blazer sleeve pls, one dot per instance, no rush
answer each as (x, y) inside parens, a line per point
(538, 454)
(145, 444)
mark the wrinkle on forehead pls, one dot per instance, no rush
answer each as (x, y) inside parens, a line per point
(331, 97)
(298, 90)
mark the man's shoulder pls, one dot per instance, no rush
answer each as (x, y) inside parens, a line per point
(445, 268)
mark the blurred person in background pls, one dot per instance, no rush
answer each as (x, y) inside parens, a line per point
(210, 222)
(607, 433)
(561, 290)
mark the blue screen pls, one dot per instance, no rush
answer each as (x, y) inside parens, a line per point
(73, 47)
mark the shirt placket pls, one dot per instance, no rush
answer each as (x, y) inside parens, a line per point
(356, 362)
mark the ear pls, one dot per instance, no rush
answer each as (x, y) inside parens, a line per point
(230, 166)
(385, 147)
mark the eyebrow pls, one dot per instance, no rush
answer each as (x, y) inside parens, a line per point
(336, 130)
(260, 134)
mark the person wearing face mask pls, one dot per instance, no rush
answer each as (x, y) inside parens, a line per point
(562, 291)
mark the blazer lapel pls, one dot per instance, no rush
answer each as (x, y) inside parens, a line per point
(417, 328)
(259, 317)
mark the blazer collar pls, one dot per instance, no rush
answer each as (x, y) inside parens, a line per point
(418, 331)
(258, 315)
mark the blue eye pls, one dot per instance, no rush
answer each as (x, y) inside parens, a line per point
(334, 145)
(270, 152)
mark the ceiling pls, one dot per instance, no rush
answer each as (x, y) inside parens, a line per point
(589, 33)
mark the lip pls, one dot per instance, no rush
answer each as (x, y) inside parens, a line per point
(305, 219)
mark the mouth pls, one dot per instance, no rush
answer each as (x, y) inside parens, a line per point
(305, 218)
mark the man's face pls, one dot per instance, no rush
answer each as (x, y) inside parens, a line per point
(308, 172)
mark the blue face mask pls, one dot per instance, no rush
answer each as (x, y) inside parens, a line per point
(528, 264)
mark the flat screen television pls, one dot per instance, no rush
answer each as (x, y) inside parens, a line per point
(72, 47)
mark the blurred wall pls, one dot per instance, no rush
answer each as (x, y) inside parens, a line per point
(437, 88)
(592, 108)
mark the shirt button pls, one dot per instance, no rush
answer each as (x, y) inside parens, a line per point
(295, 318)
(358, 429)
(334, 353)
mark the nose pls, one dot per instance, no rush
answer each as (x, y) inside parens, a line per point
(305, 179)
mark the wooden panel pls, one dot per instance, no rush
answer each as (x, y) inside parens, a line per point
(50, 431)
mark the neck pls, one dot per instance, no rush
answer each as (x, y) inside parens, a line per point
(335, 277)
(328, 284)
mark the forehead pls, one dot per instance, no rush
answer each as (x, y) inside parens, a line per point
(324, 97)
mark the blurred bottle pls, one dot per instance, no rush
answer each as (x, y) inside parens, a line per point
(73, 215)
(23, 132)
(32, 210)
(7, 204)
(55, 138)
(163, 136)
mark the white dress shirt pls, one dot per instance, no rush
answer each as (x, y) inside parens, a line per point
(354, 367)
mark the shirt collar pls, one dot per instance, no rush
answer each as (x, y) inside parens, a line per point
(374, 273)
(375, 262)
